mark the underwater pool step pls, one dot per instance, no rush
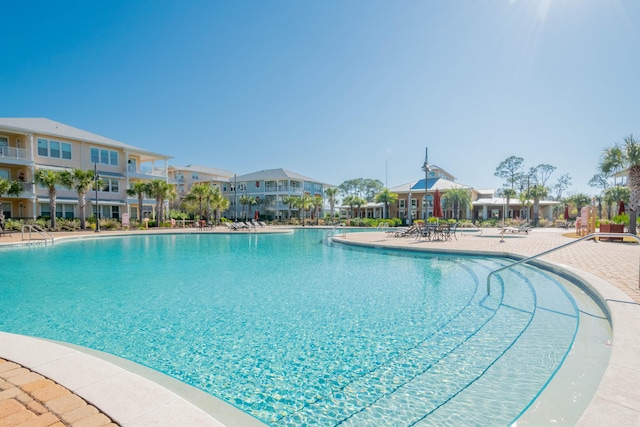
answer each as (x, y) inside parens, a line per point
(361, 398)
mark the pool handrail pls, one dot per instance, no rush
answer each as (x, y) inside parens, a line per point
(37, 229)
(587, 237)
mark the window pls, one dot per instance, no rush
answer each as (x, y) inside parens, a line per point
(43, 147)
(54, 149)
(401, 203)
(110, 185)
(242, 187)
(64, 211)
(195, 177)
(66, 151)
(4, 173)
(104, 157)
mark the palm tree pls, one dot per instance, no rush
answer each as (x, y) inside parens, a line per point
(246, 200)
(508, 193)
(139, 189)
(218, 202)
(48, 178)
(629, 155)
(614, 195)
(318, 202)
(82, 181)
(359, 202)
(579, 200)
(537, 192)
(386, 197)
(351, 202)
(200, 192)
(290, 201)
(457, 198)
(11, 188)
(161, 190)
(331, 193)
(303, 204)
(612, 161)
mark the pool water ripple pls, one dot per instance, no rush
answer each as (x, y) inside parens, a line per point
(296, 332)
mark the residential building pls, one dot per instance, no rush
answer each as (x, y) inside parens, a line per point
(29, 144)
(272, 190)
(184, 177)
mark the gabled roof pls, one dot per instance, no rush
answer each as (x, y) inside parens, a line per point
(49, 127)
(204, 169)
(440, 184)
(275, 174)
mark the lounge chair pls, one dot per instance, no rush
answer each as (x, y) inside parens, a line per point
(524, 228)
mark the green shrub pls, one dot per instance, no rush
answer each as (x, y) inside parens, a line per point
(621, 219)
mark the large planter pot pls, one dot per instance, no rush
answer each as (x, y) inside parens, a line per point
(612, 228)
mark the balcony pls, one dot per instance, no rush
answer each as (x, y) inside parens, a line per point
(146, 171)
(14, 153)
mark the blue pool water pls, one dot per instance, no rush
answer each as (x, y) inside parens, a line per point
(296, 332)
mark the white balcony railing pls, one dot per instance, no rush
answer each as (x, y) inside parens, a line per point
(148, 170)
(14, 153)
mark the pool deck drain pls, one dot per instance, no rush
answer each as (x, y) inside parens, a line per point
(120, 397)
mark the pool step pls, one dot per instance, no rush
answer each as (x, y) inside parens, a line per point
(355, 403)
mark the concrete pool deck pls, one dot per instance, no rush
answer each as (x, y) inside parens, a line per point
(132, 399)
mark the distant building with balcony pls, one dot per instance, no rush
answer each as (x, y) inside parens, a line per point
(271, 190)
(28, 144)
(184, 177)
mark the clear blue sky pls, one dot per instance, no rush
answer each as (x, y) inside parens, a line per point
(335, 90)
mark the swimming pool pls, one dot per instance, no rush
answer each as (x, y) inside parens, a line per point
(294, 331)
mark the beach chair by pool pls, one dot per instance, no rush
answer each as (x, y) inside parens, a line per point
(524, 228)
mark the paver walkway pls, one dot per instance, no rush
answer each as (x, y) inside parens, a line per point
(27, 399)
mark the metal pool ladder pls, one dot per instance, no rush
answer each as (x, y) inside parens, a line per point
(35, 228)
(590, 236)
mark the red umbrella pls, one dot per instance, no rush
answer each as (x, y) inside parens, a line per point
(621, 208)
(566, 212)
(256, 215)
(437, 208)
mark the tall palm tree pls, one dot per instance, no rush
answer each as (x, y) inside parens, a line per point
(304, 203)
(200, 192)
(161, 190)
(359, 202)
(11, 188)
(219, 202)
(508, 193)
(351, 201)
(457, 199)
(318, 202)
(290, 201)
(386, 197)
(48, 178)
(331, 193)
(246, 200)
(82, 181)
(537, 192)
(629, 159)
(139, 189)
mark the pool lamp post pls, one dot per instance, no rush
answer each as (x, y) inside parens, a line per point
(96, 178)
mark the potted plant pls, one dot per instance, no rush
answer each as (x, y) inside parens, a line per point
(610, 226)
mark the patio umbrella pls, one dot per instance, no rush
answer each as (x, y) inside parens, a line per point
(437, 207)
(621, 208)
(256, 215)
(566, 212)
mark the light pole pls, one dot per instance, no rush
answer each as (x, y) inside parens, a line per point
(96, 178)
